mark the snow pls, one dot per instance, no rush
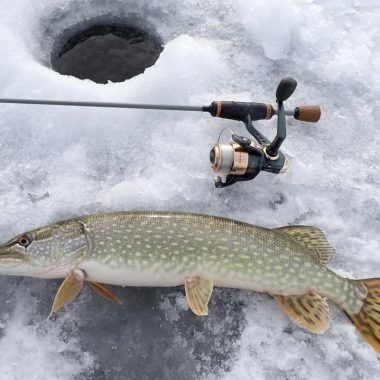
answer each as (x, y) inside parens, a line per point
(63, 162)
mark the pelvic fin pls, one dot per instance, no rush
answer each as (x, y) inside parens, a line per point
(198, 294)
(102, 291)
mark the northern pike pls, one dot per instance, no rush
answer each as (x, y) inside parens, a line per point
(199, 252)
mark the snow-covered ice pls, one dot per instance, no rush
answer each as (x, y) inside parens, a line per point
(62, 162)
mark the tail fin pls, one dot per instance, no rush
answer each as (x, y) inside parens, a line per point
(367, 321)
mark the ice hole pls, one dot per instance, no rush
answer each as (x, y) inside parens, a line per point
(105, 53)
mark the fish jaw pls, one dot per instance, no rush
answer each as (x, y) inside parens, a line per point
(13, 261)
(23, 269)
(22, 266)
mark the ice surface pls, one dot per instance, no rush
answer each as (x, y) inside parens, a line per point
(61, 162)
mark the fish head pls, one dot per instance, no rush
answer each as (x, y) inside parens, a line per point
(47, 252)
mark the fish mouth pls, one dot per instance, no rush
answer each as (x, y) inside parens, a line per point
(9, 257)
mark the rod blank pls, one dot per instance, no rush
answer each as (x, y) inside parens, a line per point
(101, 104)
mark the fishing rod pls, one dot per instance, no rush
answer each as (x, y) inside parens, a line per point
(242, 158)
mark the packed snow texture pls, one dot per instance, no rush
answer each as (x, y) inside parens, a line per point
(62, 162)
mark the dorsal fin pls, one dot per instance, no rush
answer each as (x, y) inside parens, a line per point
(309, 311)
(311, 238)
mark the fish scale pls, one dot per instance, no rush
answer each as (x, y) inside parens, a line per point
(199, 252)
(170, 247)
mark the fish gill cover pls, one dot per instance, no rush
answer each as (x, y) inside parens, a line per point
(60, 162)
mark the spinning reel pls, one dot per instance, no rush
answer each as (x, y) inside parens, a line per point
(242, 159)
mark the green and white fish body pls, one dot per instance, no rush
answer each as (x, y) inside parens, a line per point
(164, 249)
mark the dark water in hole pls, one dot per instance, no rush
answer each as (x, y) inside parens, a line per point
(105, 53)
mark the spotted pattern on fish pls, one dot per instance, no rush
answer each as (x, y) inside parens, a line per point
(164, 249)
(200, 252)
(228, 251)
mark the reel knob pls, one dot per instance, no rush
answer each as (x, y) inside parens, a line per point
(285, 89)
(310, 114)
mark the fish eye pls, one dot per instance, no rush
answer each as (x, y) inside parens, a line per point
(24, 241)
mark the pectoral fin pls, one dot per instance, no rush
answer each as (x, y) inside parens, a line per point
(309, 311)
(102, 291)
(198, 294)
(69, 289)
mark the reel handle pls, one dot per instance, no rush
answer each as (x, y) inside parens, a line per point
(310, 114)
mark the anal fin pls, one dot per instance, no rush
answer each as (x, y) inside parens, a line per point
(198, 293)
(102, 291)
(309, 311)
